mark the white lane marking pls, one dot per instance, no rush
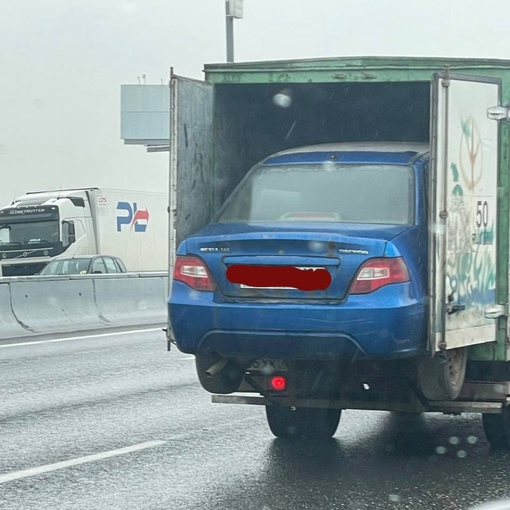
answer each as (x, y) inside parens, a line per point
(16, 475)
(71, 338)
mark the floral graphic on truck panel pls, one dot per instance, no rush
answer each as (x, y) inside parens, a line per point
(470, 264)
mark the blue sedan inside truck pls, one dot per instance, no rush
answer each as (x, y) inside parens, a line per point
(318, 258)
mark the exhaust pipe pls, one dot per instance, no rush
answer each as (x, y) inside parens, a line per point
(217, 367)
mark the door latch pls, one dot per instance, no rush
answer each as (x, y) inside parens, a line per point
(451, 308)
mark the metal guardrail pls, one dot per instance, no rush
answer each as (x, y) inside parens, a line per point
(132, 274)
(51, 304)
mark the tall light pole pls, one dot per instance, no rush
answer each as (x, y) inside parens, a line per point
(233, 10)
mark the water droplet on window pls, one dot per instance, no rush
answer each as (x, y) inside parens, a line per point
(441, 450)
(283, 99)
(454, 440)
(461, 454)
(394, 498)
(438, 229)
(472, 439)
(39, 104)
(316, 246)
(328, 166)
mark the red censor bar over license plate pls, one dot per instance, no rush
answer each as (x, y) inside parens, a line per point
(279, 277)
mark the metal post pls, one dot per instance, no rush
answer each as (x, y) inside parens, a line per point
(230, 37)
(233, 10)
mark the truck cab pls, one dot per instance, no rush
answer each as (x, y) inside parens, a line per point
(38, 227)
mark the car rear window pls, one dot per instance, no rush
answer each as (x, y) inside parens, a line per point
(120, 266)
(66, 267)
(379, 194)
(110, 265)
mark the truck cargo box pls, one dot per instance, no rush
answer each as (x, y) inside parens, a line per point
(244, 112)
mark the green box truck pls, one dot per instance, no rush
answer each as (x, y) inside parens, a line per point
(458, 108)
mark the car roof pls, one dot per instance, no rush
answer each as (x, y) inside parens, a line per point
(390, 152)
(417, 147)
(84, 257)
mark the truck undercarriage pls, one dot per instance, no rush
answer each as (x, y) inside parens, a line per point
(304, 395)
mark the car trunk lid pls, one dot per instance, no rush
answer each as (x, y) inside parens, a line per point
(298, 251)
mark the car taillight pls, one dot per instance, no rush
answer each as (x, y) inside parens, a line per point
(193, 272)
(377, 273)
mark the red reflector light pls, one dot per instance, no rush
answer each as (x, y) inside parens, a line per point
(193, 272)
(377, 273)
(278, 383)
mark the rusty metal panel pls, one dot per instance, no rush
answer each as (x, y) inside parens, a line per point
(349, 70)
(191, 179)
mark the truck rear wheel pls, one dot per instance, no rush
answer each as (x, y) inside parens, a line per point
(497, 429)
(225, 376)
(442, 378)
(310, 423)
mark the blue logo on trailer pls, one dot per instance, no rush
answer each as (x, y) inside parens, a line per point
(133, 217)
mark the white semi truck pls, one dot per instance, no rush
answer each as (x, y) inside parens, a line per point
(41, 226)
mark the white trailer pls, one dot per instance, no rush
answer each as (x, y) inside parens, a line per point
(41, 226)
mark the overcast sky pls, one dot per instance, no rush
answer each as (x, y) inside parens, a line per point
(62, 63)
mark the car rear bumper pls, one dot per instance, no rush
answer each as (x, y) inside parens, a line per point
(388, 323)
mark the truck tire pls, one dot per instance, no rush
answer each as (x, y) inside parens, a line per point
(309, 423)
(497, 429)
(442, 378)
(227, 380)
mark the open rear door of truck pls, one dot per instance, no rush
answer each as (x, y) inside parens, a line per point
(191, 178)
(463, 215)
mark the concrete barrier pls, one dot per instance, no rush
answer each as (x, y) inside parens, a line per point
(35, 304)
(9, 326)
(49, 305)
(139, 299)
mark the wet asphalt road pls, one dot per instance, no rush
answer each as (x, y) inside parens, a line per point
(62, 402)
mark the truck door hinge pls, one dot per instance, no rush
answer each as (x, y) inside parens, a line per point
(498, 112)
(442, 348)
(445, 82)
(496, 311)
